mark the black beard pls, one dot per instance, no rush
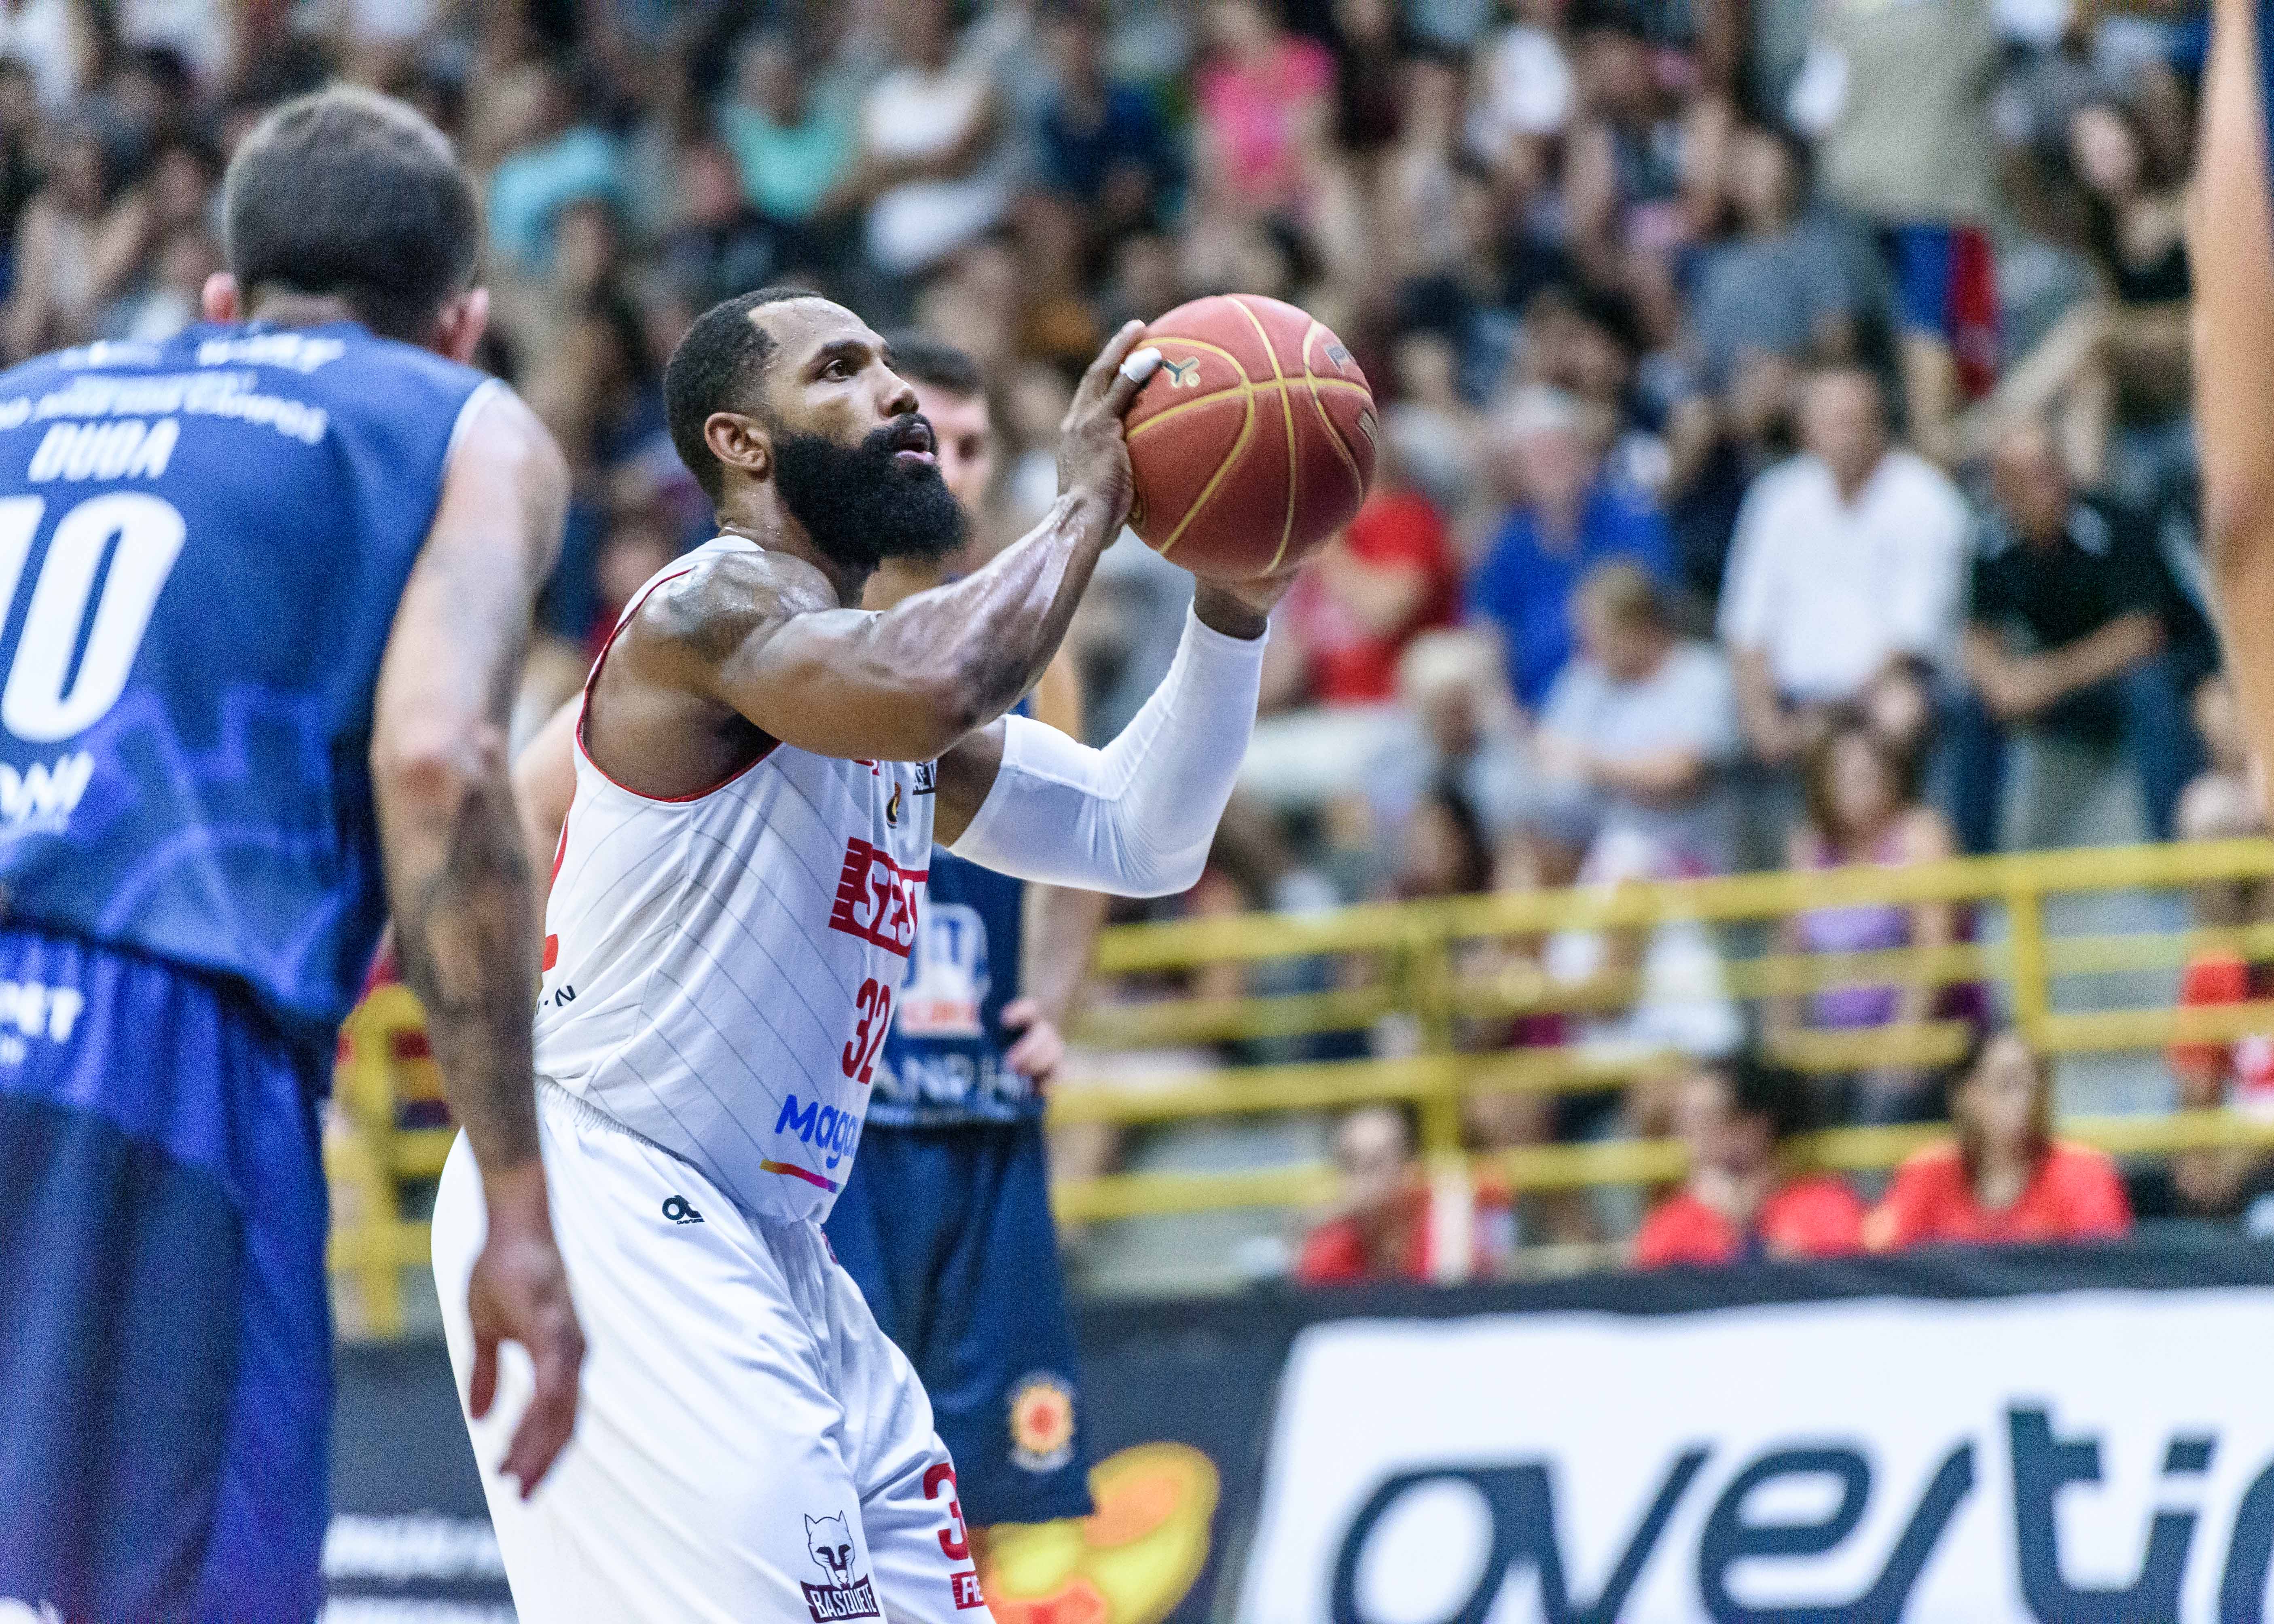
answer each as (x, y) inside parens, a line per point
(861, 504)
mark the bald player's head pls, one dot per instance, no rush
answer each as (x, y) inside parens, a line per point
(781, 389)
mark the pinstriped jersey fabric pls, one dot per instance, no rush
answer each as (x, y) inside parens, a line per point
(720, 971)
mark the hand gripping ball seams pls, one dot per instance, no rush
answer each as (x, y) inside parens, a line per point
(1226, 485)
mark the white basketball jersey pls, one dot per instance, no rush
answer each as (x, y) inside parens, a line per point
(720, 969)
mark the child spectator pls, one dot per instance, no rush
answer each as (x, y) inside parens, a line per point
(1740, 1201)
(2005, 1177)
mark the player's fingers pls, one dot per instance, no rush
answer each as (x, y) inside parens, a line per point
(1103, 370)
(551, 1418)
(1020, 1013)
(481, 1391)
(1131, 377)
(1038, 1054)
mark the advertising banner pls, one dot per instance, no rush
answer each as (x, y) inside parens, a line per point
(2092, 1457)
(2068, 1436)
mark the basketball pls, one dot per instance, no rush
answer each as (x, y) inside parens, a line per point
(1253, 443)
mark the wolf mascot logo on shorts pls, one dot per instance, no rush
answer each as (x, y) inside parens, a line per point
(846, 1595)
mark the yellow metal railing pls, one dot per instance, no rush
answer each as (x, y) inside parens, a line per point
(1404, 957)
(1408, 960)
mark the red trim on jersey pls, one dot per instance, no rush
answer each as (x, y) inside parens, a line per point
(585, 705)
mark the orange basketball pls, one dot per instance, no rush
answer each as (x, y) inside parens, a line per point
(1254, 440)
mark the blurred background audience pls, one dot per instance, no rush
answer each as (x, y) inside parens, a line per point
(1785, 458)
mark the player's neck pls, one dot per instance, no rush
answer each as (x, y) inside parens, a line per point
(299, 310)
(898, 578)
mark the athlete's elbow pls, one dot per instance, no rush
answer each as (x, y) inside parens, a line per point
(1167, 874)
(437, 767)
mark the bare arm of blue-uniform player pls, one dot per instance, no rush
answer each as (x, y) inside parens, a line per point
(459, 883)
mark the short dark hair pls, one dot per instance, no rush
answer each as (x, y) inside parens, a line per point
(921, 358)
(352, 193)
(1772, 1094)
(716, 366)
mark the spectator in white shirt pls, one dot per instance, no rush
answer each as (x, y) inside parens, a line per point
(1848, 558)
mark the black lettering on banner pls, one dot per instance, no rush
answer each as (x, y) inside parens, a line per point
(2043, 1465)
(1523, 1502)
(1730, 1538)
(2249, 1554)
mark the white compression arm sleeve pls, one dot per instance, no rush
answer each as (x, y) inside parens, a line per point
(1135, 818)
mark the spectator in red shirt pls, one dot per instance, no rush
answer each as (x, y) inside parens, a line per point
(1388, 1224)
(1384, 581)
(2007, 1178)
(1739, 1202)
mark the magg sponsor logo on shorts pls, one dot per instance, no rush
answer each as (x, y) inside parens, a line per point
(845, 1594)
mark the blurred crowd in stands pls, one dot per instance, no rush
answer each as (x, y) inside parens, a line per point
(1785, 458)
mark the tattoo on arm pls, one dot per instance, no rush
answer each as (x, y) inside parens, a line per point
(463, 922)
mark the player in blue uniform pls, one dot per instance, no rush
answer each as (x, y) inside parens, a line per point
(265, 588)
(945, 1222)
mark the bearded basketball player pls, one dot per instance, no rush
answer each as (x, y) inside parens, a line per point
(761, 770)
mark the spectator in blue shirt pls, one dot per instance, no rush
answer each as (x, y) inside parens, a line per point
(563, 160)
(1102, 144)
(1568, 519)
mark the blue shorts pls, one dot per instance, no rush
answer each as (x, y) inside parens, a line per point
(165, 1339)
(947, 1231)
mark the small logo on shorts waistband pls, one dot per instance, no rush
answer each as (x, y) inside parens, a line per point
(679, 1210)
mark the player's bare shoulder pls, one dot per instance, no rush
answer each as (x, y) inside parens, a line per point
(711, 609)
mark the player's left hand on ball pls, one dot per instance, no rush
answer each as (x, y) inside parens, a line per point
(1041, 1050)
(519, 1292)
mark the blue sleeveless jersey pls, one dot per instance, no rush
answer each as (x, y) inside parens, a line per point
(942, 1059)
(202, 546)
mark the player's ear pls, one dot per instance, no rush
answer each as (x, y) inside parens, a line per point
(219, 299)
(458, 330)
(740, 441)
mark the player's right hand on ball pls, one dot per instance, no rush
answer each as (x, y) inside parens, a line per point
(519, 1293)
(1093, 456)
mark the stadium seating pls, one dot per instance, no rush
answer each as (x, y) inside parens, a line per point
(2074, 992)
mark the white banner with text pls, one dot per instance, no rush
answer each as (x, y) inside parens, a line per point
(2082, 1457)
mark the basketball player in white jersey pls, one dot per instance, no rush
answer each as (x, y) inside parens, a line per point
(760, 772)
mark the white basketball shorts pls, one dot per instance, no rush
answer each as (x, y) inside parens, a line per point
(749, 1444)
